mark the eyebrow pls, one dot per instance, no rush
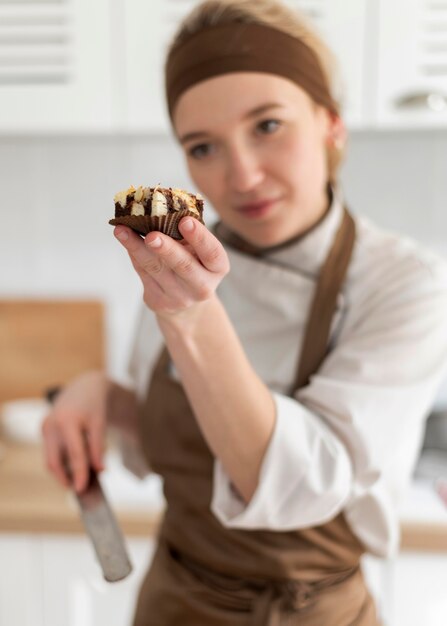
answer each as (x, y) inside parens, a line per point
(253, 113)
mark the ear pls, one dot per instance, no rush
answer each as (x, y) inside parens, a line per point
(336, 133)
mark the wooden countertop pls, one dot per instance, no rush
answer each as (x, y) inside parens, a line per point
(32, 502)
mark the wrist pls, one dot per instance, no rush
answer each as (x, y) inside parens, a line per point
(187, 322)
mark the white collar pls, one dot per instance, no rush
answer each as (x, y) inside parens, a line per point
(308, 253)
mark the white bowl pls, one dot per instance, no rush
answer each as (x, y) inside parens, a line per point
(21, 420)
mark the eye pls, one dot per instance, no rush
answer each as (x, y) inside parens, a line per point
(267, 127)
(200, 151)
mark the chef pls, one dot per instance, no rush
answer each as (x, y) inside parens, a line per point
(285, 359)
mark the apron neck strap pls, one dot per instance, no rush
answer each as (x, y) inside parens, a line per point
(330, 280)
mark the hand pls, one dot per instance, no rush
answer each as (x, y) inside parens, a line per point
(176, 275)
(75, 429)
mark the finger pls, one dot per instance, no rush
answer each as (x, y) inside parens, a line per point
(95, 442)
(149, 281)
(139, 251)
(53, 453)
(207, 247)
(154, 293)
(177, 258)
(77, 457)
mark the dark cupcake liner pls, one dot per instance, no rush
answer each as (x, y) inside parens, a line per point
(167, 224)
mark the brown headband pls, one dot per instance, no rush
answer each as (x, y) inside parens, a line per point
(239, 47)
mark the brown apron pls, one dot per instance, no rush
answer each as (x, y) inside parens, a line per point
(205, 574)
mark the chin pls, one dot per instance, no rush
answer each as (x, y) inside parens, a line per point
(267, 239)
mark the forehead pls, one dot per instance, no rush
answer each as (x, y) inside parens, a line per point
(225, 99)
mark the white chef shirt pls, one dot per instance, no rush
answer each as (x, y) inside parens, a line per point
(349, 440)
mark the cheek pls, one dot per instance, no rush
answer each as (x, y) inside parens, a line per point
(205, 178)
(291, 159)
(303, 157)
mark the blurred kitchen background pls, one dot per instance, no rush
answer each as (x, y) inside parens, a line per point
(81, 117)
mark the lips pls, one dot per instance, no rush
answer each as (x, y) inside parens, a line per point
(257, 209)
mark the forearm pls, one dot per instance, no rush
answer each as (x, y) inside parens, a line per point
(234, 408)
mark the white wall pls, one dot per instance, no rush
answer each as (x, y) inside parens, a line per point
(399, 180)
(57, 198)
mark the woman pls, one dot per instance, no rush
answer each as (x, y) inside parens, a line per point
(303, 347)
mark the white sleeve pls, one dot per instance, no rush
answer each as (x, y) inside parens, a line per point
(304, 457)
(356, 427)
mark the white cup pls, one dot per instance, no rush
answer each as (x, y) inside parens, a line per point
(21, 420)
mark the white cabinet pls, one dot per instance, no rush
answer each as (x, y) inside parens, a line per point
(82, 66)
(412, 63)
(343, 26)
(410, 589)
(21, 588)
(75, 592)
(142, 48)
(420, 595)
(50, 580)
(55, 66)
(148, 29)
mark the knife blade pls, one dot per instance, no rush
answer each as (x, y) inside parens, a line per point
(103, 529)
(100, 522)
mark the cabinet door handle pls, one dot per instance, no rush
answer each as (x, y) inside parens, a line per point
(428, 100)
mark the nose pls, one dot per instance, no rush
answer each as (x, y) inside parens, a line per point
(244, 169)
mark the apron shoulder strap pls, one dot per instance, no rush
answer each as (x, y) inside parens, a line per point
(330, 281)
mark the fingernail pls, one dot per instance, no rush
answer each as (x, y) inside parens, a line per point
(155, 243)
(122, 235)
(188, 225)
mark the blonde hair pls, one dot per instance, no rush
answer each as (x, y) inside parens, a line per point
(276, 15)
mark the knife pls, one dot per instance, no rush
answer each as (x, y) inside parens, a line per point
(100, 522)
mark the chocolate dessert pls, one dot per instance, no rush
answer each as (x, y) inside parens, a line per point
(156, 208)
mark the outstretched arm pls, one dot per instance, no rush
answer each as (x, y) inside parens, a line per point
(234, 408)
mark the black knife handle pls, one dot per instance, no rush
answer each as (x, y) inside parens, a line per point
(52, 392)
